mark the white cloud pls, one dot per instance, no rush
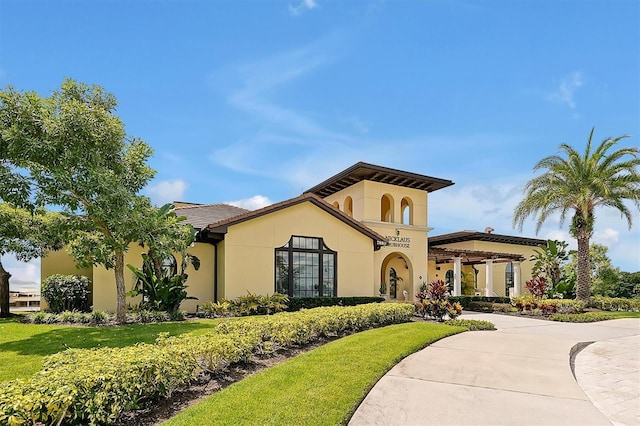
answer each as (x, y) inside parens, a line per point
(22, 274)
(606, 236)
(167, 191)
(568, 86)
(253, 203)
(302, 7)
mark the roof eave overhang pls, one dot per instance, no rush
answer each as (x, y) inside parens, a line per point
(371, 172)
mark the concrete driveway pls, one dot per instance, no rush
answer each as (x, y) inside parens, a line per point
(520, 374)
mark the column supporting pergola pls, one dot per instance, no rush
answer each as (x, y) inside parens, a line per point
(488, 291)
(517, 290)
(457, 276)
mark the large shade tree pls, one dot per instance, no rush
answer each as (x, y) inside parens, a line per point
(578, 183)
(71, 150)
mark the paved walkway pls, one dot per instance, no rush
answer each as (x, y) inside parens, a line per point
(519, 374)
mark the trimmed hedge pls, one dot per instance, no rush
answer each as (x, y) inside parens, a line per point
(297, 303)
(95, 386)
(531, 304)
(465, 300)
(471, 325)
(585, 317)
(615, 304)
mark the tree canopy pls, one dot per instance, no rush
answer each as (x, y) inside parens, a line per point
(579, 183)
(71, 150)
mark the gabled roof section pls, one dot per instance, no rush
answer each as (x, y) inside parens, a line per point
(456, 237)
(222, 226)
(200, 215)
(364, 171)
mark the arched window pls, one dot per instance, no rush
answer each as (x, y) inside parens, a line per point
(306, 267)
(386, 208)
(170, 265)
(348, 206)
(406, 207)
(336, 205)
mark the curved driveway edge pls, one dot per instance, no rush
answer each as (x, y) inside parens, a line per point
(519, 374)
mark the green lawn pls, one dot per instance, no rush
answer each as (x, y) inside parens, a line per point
(24, 346)
(624, 314)
(321, 387)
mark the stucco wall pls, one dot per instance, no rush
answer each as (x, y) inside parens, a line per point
(249, 253)
(103, 281)
(61, 262)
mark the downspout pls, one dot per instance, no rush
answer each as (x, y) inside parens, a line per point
(215, 274)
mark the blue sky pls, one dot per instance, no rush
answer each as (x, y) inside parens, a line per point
(253, 102)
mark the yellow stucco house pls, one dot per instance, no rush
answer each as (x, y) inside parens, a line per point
(365, 226)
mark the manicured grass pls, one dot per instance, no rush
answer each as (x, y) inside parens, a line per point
(618, 315)
(24, 346)
(321, 387)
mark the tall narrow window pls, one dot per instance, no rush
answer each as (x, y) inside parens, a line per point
(305, 267)
(406, 207)
(448, 278)
(348, 206)
(336, 204)
(386, 208)
(508, 278)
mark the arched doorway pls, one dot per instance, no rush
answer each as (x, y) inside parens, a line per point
(396, 272)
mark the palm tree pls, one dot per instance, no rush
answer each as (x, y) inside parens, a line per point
(581, 183)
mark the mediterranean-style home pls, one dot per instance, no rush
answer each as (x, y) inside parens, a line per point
(363, 227)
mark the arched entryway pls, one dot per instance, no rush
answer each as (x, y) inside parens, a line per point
(396, 272)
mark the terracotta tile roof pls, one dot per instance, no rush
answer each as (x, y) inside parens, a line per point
(200, 215)
(220, 227)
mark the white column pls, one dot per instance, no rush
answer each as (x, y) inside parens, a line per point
(488, 290)
(457, 279)
(516, 279)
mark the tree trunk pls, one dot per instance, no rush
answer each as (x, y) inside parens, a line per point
(583, 286)
(121, 297)
(4, 292)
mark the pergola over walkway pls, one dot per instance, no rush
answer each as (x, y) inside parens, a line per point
(461, 257)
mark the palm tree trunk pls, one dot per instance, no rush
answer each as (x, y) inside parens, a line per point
(121, 300)
(583, 290)
(4, 292)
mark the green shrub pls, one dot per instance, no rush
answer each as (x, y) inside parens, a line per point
(100, 317)
(480, 306)
(585, 317)
(66, 293)
(531, 305)
(215, 309)
(471, 325)
(615, 304)
(255, 304)
(297, 303)
(465, 300)
(95, 386)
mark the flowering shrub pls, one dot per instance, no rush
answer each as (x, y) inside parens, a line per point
(535, 305)
(434, 302)
(537, 286)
